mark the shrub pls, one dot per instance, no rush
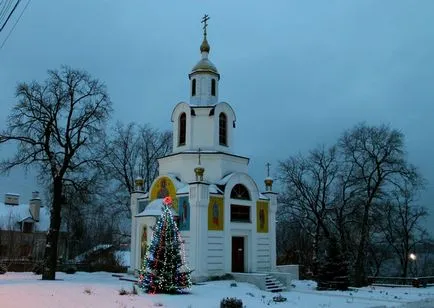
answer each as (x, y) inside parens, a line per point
(279, 298)
(231, 302)
(133, 291)
(38, 267)
(3, 269)
(222, 277)
(71, 269)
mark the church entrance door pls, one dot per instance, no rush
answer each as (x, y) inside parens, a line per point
(238, 254)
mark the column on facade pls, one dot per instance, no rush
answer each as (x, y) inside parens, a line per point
(272, 226)
(199, 199)
(135, 195)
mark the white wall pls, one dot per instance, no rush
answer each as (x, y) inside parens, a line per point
(216, 246)
(217, 165)
(202, 129)
(263, 252)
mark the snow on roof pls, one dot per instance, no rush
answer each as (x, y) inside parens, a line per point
(154, 208)
(12, 215)
(176, 181)
(123, 256)
(144, 196)
(261, 196)
(183, 190)
(213, 189)
(225, 180)
(82, 257)
(201, 151)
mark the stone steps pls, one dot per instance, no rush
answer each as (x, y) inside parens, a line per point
(273, 285)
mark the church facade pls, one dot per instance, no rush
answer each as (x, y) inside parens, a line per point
(226, 222)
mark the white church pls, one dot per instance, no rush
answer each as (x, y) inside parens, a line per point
(226, 220)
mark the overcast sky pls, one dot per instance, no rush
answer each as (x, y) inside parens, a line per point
(297, 73)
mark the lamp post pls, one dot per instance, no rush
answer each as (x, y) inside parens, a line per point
(413, 258)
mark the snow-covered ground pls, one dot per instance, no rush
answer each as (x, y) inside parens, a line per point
(102, 290)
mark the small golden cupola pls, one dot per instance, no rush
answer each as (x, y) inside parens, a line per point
(138, 183)
(199, 170)
(268, 180)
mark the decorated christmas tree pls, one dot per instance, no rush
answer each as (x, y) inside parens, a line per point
(164, 268)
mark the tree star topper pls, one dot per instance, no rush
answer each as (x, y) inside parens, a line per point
(167, 201)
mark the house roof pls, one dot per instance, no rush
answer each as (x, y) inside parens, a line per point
(12, 215)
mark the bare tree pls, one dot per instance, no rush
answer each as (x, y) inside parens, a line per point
(376, 156)
(294, 246)
(308, 190)
(401, 223)
(345, 213)
(153, 144)
(133, 152)
(57, 126)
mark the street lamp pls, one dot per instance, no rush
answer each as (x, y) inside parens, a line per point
(413, 268)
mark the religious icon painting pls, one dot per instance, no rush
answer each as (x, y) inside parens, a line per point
(262, 217)
(163, 187)
(215, 214)
(184, 213)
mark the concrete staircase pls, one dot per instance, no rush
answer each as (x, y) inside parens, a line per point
(273, 285)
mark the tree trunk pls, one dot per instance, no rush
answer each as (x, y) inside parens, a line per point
(405, 269)
(50, 258)
(359, 266)
(315, 245)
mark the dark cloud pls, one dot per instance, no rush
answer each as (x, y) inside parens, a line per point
(297, 73)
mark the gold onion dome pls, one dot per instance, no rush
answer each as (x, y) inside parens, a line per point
(268, 181)
(205, 65)
(204, 47)
(199, 170)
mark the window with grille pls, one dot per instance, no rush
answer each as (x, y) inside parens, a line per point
(240, 192)
(240, 213)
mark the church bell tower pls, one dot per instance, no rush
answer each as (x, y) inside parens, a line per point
(203, 123)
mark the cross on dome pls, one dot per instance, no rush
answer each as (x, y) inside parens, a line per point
(205, 18)
(204, 47)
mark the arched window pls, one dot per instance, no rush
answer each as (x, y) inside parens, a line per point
(240, 192)
(193, 87)
(213, 87)
(182, 128)
(223, 132)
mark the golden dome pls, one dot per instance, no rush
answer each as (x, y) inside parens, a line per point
(204, 65)
(204, 47)
(199, 171)
(268, 181)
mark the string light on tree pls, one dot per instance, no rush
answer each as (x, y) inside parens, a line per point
(164, 269)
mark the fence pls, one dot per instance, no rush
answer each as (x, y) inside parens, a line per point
(26, 265)
(416, 282)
